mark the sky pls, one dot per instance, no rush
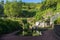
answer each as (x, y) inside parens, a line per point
(35, 1)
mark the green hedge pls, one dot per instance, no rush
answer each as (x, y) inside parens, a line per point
(8, 26)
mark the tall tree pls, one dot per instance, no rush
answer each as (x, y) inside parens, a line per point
(12, 9)
(2, 1)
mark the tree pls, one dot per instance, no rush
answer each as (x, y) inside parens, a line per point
(2, 1)
(12, 9)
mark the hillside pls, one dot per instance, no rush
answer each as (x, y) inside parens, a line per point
(45, 9)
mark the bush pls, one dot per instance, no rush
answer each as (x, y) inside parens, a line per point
(27, 31)
(57, 21)
(27, 14)
(8, 26)
(26, 24)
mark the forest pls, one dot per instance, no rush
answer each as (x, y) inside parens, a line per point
(18, 15)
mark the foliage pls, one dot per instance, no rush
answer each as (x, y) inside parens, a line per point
(12, 9)
(28, 14)
(26, 24)
(57, 21)
(8, 26)
(1, 10)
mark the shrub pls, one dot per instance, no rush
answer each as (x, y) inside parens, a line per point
(57, 21)
(8, 26)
